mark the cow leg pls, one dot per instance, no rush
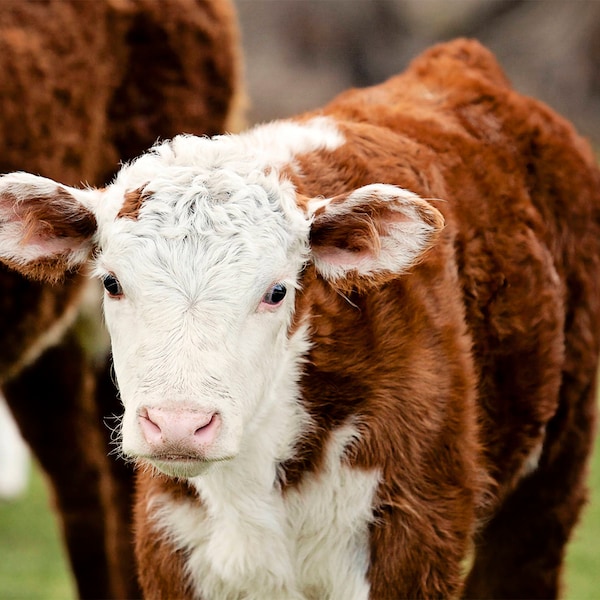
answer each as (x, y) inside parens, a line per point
(52, 401)
(520, 552)
(118, 494)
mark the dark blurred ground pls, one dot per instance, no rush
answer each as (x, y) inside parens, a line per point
(300, 53)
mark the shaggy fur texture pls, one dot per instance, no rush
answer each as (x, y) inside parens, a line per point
(91, 84)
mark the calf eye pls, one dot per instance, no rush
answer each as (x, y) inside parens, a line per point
(112, 286)
(275, 295)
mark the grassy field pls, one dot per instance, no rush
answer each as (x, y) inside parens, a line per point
(32, 561)
(33, 565)
(583, 558)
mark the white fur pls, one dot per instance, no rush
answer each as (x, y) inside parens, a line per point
(268, 147)
(219, 225)
(218, 229)
(14, 456)
(532, 461)
(248, 540)
(188, 329)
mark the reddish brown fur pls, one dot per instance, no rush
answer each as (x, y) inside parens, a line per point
(522, 199)
(52, 270)
(132, 204)
(458, 370)
(85, 85)
(77, 223)
(103, 80)
(360, 231)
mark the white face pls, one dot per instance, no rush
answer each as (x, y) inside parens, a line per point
(200, 294)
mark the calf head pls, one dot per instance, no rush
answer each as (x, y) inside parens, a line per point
(202, 250)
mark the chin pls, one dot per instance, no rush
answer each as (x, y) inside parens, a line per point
(179, 467)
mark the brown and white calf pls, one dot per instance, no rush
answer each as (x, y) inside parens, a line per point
(353, 347)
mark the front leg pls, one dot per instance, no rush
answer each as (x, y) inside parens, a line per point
(413, 556)
(419, 542)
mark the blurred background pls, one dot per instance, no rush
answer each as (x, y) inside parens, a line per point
(300, 53)
(297, 55)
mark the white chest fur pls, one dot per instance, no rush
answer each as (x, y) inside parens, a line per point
(251, 542)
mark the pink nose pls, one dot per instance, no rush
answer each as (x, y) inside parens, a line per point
(178, 430)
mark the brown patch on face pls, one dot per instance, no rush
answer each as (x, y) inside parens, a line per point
(132, 204)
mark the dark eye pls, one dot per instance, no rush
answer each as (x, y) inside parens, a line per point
(112, 286)
(275, 295)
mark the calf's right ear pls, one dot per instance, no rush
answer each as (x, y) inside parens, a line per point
(46, 228)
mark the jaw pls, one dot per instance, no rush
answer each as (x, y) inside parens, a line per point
(260, 425)
(179, 467)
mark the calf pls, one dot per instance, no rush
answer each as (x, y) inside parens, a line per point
(354, 348)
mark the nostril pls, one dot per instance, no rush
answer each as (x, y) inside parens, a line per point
(206, 431)
(205, 425)
(184, 427)
(150, 429)
(150, 424)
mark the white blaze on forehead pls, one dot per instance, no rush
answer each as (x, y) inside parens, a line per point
(266, 147)
(190, 179)
(198, 233)
(269, 146)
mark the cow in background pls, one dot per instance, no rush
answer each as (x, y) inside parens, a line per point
(83, 86)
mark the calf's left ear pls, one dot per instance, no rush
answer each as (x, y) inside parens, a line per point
(45, 228)
(362, 237)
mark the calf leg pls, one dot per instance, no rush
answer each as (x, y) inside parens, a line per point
(520, 552)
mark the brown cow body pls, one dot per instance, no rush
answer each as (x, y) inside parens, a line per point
(445, 398)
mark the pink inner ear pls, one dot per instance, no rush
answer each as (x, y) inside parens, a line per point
(46, 245)
(45, 225)
(341, 257)
(394, 216)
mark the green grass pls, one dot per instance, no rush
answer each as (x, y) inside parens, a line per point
(583, 557)
(32, 561)
(33, 565)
